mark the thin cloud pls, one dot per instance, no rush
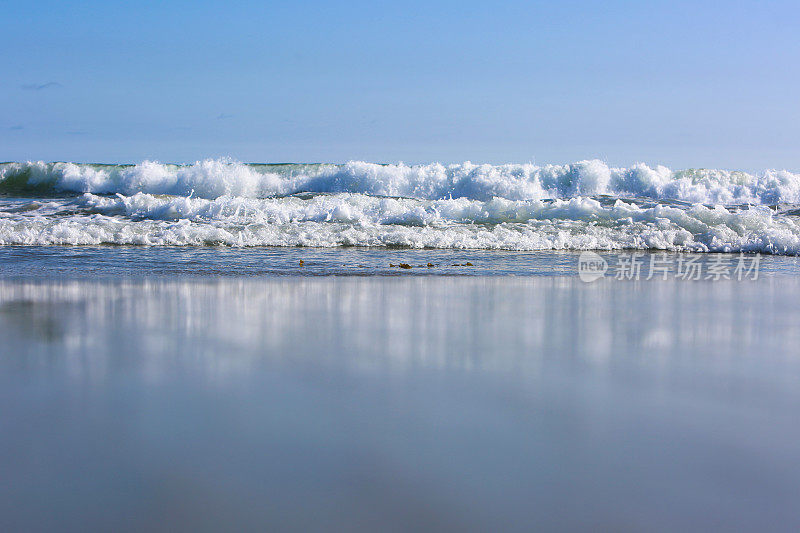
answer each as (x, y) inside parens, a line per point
(42, 86)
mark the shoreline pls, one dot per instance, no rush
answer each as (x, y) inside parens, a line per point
(110, 262)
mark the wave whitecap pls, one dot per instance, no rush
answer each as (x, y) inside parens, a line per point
(214, 178)
(585, 205)
(348, 219)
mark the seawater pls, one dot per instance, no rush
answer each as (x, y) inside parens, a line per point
(582, 206)
(234, 346)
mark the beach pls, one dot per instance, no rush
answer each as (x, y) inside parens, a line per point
(399, 267)
(160, 398)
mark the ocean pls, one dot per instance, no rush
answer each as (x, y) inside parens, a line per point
(361, 347)
(582, 206)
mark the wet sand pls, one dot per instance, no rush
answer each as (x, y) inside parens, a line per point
(397, 403)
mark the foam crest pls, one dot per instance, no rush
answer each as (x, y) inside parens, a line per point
(346, 219)
(584, 205)
(214, 178)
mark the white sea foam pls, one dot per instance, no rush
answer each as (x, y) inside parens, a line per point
(215, 178)
(586, 205)
(361, 220)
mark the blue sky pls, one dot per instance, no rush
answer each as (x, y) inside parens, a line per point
(686, 84)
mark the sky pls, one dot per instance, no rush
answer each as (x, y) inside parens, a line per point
(684, 84)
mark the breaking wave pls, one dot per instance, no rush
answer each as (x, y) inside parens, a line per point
(213, 178)
(585, 205)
